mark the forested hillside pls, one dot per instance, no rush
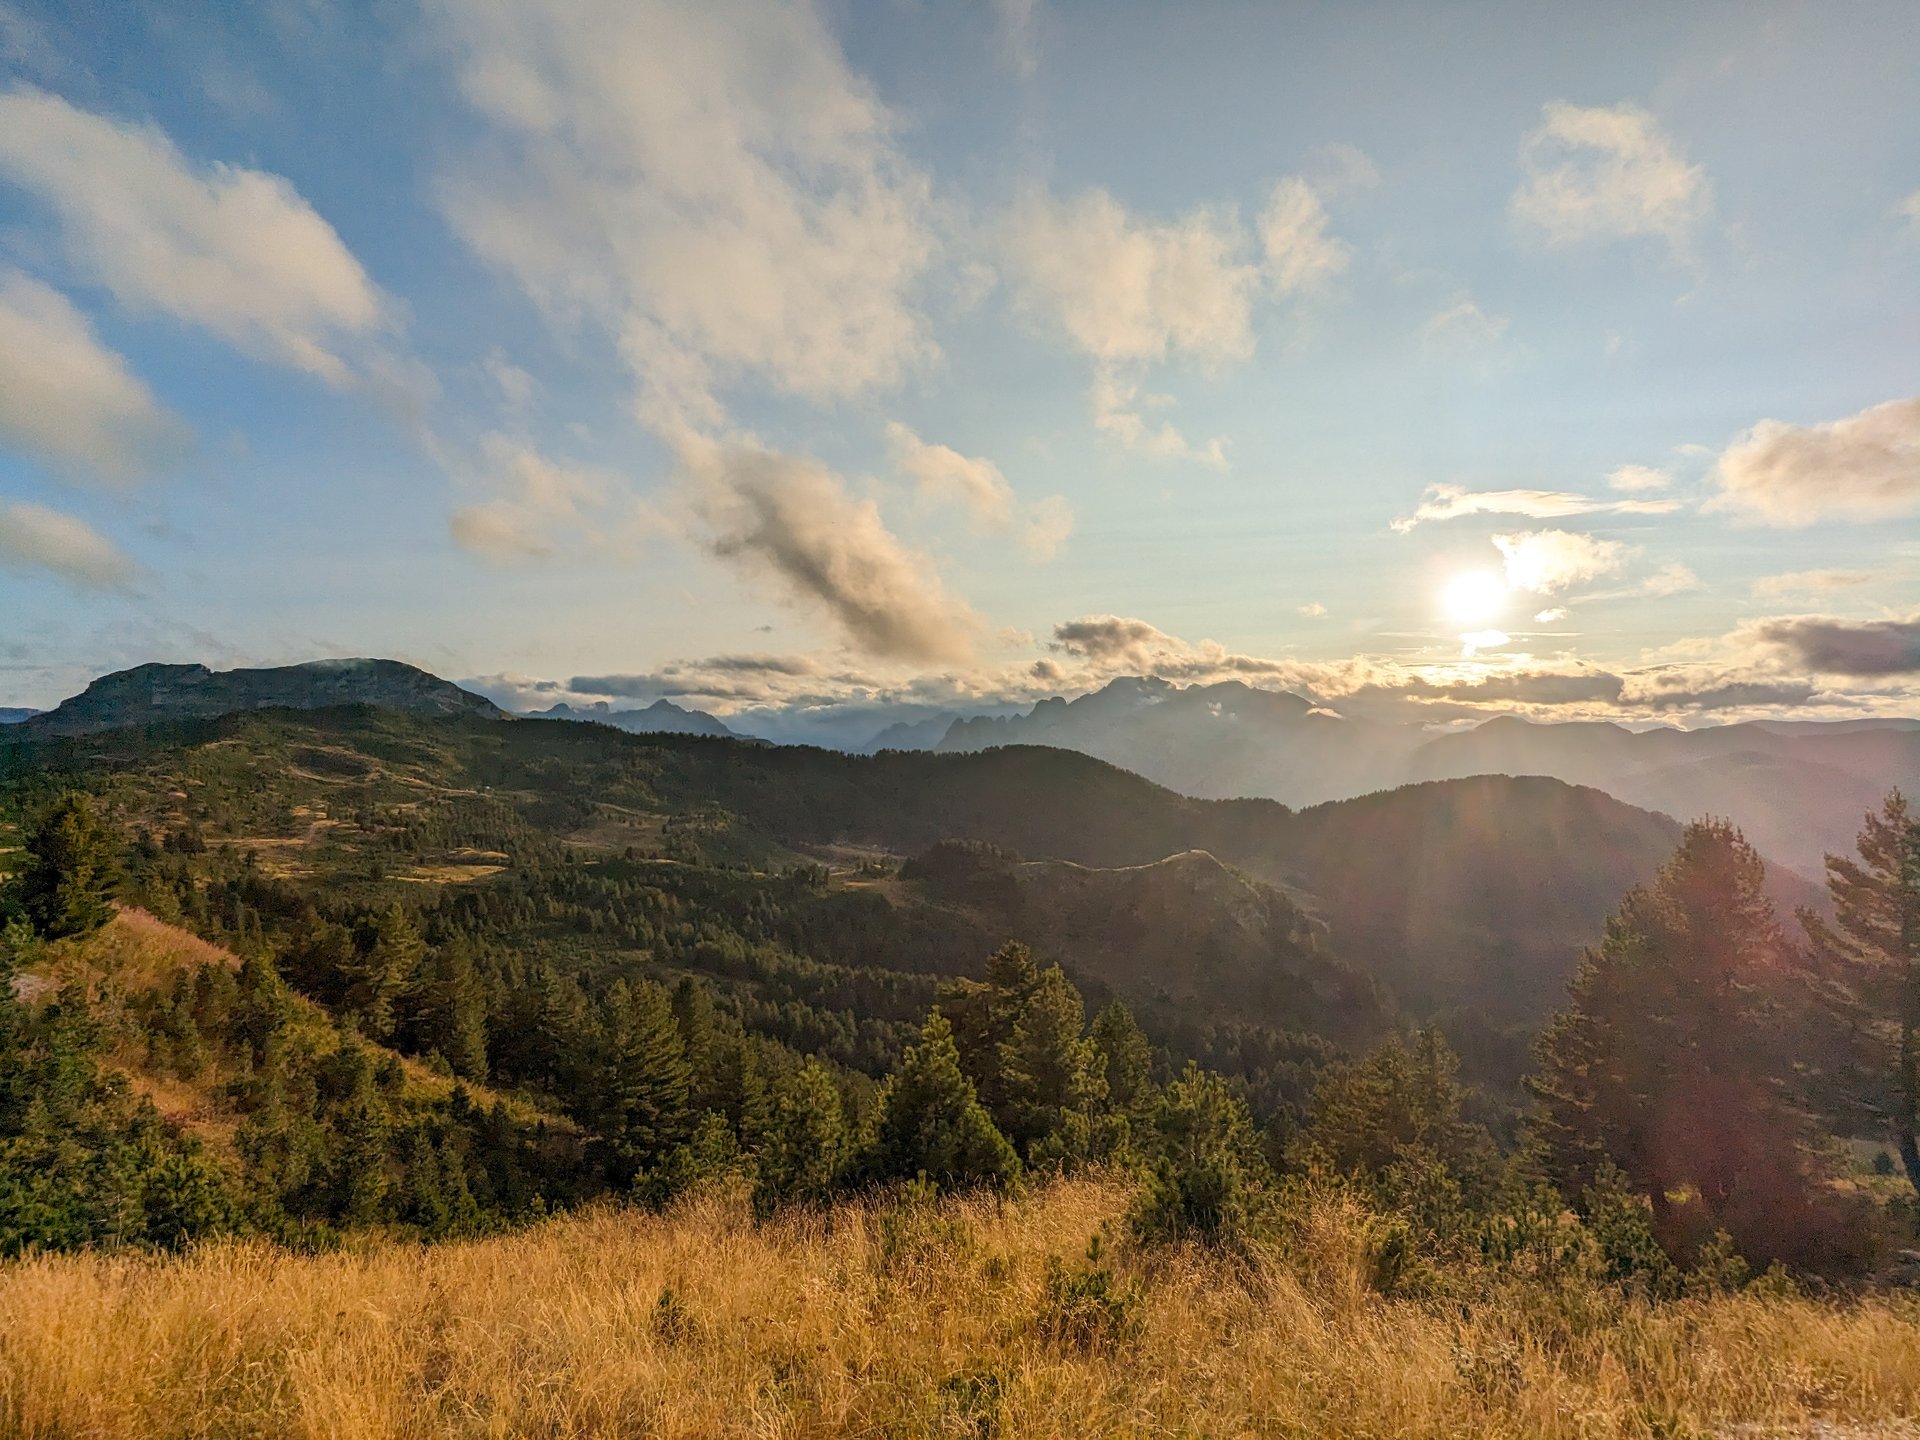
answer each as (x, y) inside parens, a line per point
(299, 974)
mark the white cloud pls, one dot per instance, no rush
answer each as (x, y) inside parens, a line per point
(1117, 406)
(1451, 502)
(1672, 578)
(1638, 479)
(1313, 610)
(710, 183)
(791, 518)
(1608, 172)
(1910, 209)
(942, 474)
(544, 503)
(1463, 324)
(1545, 562)
(67, 399)
(32, 537)
(1810, 582)
(237, 252)
(1550, 617)
(1300, 254)
(1863, 468)
(1131, 292)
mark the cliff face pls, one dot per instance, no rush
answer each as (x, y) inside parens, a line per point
(148, 694)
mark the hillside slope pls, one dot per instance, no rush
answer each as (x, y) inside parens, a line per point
(1465, 893)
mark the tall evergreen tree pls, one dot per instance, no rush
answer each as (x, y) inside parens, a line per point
(1668, 1063)
(379, 981)
(1050, 1075)
(1872, 952)
(71, 874)
(640, 1084)
(982, 1014)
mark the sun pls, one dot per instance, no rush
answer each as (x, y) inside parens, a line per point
(1473, 596)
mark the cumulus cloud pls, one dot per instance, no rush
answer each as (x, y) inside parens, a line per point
(1858, 648)
(1637, 479)
(792, 519)
(32, 537)
(237, 252)
(1313, 610)
(711, 183)
(943, 475)
(1548, 561)
(1810, 582)
(1451, 502)
(67, 399)
(1596, 172)
(1865, 467)
(1130, 292)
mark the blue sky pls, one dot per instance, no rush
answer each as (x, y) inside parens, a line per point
(913, 354)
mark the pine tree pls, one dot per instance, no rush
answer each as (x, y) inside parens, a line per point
(806, 1141)
(1872, 952)
(1126, 1058)
(379, 981)
(1050, 1074)
(71, 876)
(640, 1085)
(933, 1124)
(982, 1014)
(450, 1010)
(1669, 1064)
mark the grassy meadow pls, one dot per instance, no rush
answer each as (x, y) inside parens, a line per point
(962, 1318)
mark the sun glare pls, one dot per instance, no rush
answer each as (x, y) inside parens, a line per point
(1474, 595)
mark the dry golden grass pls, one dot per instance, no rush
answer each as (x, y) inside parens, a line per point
(926, 1323)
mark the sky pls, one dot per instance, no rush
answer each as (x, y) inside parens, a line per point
(1429, 359)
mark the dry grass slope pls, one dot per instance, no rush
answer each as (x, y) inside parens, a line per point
(928, 1322)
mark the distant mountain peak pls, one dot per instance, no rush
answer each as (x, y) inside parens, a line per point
(155, 692)
(663, 717)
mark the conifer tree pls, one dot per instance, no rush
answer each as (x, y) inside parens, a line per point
(1872, 951)
(1050, 1075)
(933, 1124)
(1668, 1063)
(71, 875)
(1126, 1057)
(640, 1085)
(806, 1140)
(379, 981)
(982, 1014)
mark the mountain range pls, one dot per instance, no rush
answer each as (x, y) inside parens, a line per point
(663, 717)
(1797, 788)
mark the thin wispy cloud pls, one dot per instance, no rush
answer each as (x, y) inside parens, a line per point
(1452, 502)
(942, 475)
